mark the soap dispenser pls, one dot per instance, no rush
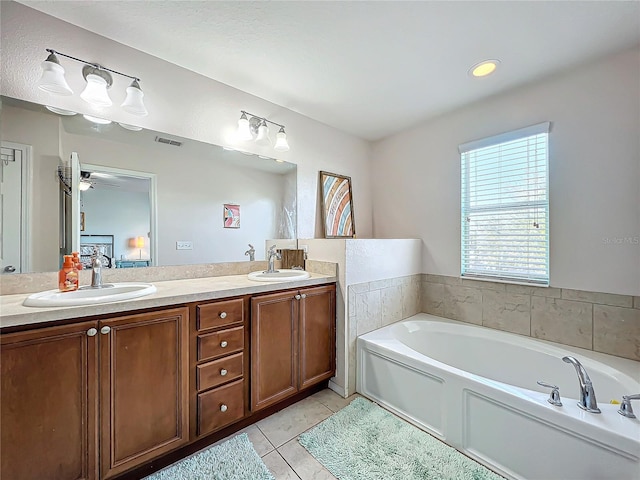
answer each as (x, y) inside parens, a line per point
(68, 275)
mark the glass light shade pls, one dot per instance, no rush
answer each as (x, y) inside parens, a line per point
(52, 79)
(98, 120)
(263, 135)
(133, 103)
(133, 128)
(60, 111)
(244, 129)
(95, 92)
(139, 242)
(84, 185)
(281, 141)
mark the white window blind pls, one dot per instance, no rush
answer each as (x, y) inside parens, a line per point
(505, 206)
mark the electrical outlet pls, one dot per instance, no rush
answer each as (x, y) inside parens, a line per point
(184, 245)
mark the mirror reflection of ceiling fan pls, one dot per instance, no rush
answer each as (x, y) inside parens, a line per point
(86, 183)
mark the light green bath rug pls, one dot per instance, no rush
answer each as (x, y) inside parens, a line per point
(365, 442)
(234, 459)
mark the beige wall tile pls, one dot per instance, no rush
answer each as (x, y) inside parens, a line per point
(368, 311)
(616, 331)
(535, 291)
(507, 311)
(463, 303)
(443, 279)
(597, 297)
(563, 321)
(411, 295)
(359, 287)
(498, 287)
(433, 298)
(392, 302)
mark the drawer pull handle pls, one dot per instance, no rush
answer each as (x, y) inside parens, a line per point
(104, 330)
(223, 372)
(223, 408)
(223, 343)
(92, 332)
(298, 297)
(304, 295)
(223, 315)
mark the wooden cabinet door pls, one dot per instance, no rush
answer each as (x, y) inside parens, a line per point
(274, 346)
(317, 335)
(48, 403)
(144, 383)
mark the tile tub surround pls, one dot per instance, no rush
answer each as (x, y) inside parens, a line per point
(372, 305)
(602, 322)
(38, 282)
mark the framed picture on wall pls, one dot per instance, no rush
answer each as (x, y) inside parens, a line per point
(82, 221)
(337, 206)
(231, 216)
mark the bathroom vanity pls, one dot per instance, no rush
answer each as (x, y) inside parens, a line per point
(97, 395)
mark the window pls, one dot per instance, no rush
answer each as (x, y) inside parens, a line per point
(505, 206)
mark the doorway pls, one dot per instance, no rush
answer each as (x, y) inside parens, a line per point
(15, 186)
(119, 205)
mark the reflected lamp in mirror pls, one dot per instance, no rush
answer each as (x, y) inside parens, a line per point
(98, 79)
(254, 127)
(137, 242)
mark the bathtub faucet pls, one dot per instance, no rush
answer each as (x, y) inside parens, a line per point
(587, 393)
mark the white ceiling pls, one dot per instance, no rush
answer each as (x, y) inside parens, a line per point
(368, 68)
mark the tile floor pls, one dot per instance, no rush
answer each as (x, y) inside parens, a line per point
(275, 437)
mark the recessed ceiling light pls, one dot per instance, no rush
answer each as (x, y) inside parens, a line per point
(101, 121)
(133, 128)
(484, 68)
(60, 111)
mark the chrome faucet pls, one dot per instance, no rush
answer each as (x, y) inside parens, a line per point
(587, 393)
(271, 256)
(251, 253)
(96, 269)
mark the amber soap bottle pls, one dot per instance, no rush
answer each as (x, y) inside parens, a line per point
(68, 275)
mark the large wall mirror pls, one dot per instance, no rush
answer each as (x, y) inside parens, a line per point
(144, 197)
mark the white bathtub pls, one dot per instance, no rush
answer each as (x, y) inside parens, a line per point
(475, 389)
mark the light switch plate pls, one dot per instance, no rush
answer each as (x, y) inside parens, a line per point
(184, 245)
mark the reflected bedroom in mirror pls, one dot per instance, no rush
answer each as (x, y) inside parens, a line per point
(140, 197)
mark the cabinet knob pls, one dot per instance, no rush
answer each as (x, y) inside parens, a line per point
(223, 315)
(223, 408)
(104, 330)
(92, 332)
(223, 343)
(304, 295)
(298, 297)
(223, 372)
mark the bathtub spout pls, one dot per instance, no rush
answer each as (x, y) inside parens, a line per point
(587, 393)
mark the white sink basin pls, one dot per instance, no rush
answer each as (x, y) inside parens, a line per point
(278, 275)
(90, 296)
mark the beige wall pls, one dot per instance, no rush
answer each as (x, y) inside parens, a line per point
(594, 174)
(180, 102)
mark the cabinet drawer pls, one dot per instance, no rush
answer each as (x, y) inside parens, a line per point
(223, 342)
(220, 407)
(219, 314)
(219, 371)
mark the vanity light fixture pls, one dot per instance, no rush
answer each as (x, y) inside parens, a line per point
(98, 79)
(484, 68)
(98, 120)
(60, 111)
(254, 127)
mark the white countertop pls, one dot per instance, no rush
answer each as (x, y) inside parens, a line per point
(172, 292)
